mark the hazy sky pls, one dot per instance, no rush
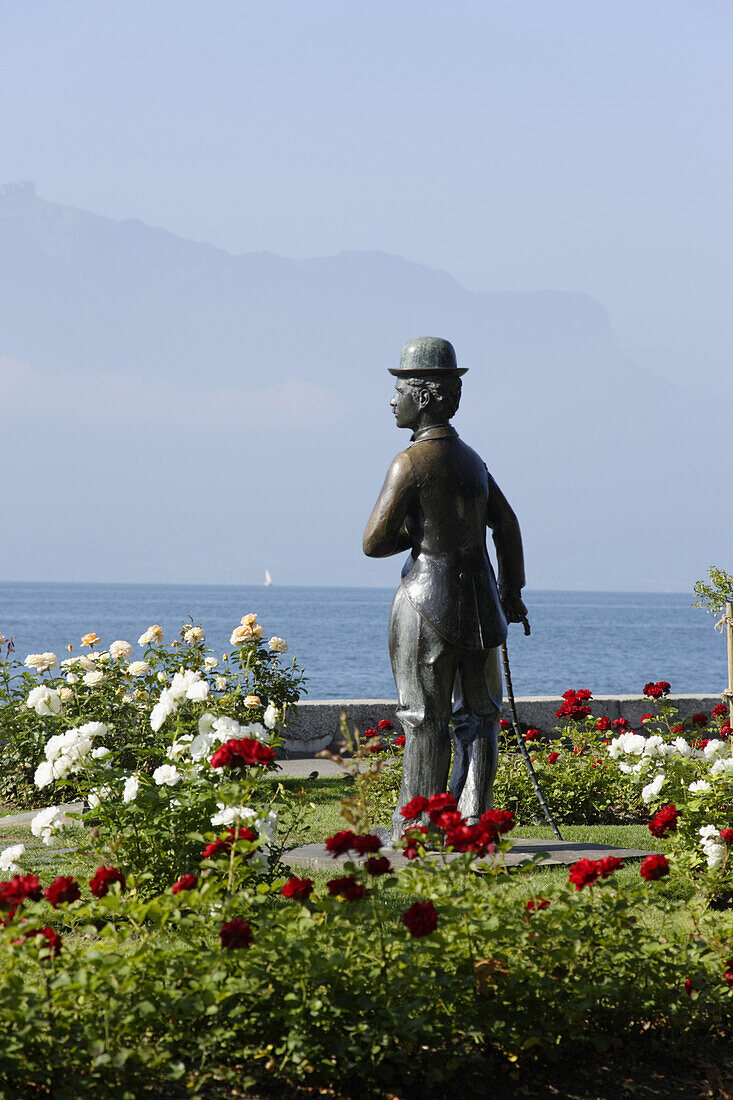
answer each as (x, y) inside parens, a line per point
(566, 144)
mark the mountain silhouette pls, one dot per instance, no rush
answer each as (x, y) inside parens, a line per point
(259, 384)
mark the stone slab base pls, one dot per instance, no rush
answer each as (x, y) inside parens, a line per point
(559, 853)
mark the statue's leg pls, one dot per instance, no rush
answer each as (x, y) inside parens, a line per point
(424, 669)
(477, 708)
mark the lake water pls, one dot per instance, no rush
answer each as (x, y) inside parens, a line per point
(610, 642)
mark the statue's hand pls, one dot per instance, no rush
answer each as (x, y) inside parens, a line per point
(514, 608)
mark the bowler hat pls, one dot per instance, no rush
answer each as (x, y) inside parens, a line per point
(428, 357)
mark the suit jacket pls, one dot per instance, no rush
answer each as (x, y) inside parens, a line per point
(437, 500)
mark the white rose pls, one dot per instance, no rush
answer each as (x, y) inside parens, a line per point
(130, 789)
(201, 746)
(9, 859)
(278, 645)
(138, 668)
(714, 748)
(193, 634)
(92, 679)
(100, 753)
(93, 729)
(198, 692)
(47, 823)
(210, 663)
(650, 792)
(86, 661)
(179, 748)
(206, 723)
(699, 787)
(120, 649)
(65, 694)
(161, 678)
(44, 701)
(654, 746)
(166, 775)
(720, 767)
(683, 747)
(41, 661)
(152, 634)
(220, 683)
(257, 731)
(225, 728)
(270, 716)
(158, 715)
(43, 774)
(72, 678)
(715, 854)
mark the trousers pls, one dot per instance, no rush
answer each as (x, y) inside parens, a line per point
(439, 685)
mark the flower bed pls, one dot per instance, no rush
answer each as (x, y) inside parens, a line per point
(191, 953)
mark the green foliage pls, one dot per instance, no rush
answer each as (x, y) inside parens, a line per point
(714, 596)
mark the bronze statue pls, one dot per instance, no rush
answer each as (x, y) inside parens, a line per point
(448, 617)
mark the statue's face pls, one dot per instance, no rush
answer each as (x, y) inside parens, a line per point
(405, 406)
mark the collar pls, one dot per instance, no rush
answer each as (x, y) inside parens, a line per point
(438, 431)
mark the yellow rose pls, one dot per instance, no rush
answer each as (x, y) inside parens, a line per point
(252, 701)
(90, 639)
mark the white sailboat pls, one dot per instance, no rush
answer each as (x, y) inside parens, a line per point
(268, 578)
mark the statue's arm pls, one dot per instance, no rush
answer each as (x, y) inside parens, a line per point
(509, 552)
(386, 532)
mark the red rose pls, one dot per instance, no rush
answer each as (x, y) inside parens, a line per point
(664, 821)
(223, 845)
(242, 752)
(367, 843)
(533, 735)
(535, 904)
(63, 889)
(726, 730)
(689, 987)
(700, 720)
(375, 746)
(104, 877)
(656, 691)
(439, 804)
(726, 835)
(502, 820)
(679, 728)
(719, 710)
(574, 705)
(603, 723)
(384, 724)
(654, 867)
(340, 842)
(607, 865)
(584, 873)
(17, 890)
(370, 733)
(413, 838)
(579, 750)
(235, 933)
(728, 972)
(400, 741)
(414, 808)
(504, 724)
(448, 820)
(378, 865)
(346, 887)
(552, 757)
(52, 938)
(298, 888)
(646, 717)
(421, 918)
(621, 723)
(186, 882)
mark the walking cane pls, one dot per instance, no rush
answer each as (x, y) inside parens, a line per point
(520, 740)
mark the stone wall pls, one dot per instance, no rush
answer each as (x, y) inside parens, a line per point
(314, 724)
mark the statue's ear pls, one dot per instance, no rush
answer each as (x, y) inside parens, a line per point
(423, 398)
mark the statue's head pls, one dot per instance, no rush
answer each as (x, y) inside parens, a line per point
(428, 382)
